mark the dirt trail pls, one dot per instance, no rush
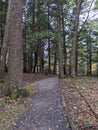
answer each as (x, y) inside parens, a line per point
(46, 112)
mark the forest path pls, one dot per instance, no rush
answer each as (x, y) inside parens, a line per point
(46, 112)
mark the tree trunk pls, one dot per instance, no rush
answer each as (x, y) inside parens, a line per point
(40, 45)
(30, 61)
(1, 31)
(55, 63)
(49, 56)
(89, 59)
(36, 60)
(59, 40)
(5, 46)
(15, 45)
(64, 44)
(74, 41)
(40, 48)
(24, 62)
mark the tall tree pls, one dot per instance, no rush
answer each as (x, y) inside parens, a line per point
(39, 42)
(59, 39)
(15, 12)
(74, 40)
(49, 57)
(64, 41)
(4, 47)
(3, 11)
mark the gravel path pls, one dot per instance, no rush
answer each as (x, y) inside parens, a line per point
(46, 112)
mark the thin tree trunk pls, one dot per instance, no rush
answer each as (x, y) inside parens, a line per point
(55, 63)
(64, 44)
(30, 61)
(1, 31)
(36, 61)
(59, 40)
(4, 47)
(74, 41)
(24, 62)
(40, 45)
(89, 59)
(41, 68)
(49, 56)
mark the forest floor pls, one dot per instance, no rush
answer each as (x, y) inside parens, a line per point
(46, 110)
(10, 109)
(81, 98)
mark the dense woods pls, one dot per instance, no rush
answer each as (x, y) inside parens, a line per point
(43, 40)
(58, 37)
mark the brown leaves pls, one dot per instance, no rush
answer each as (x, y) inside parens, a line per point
(79, 110)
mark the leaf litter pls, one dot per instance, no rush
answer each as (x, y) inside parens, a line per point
(81, 97)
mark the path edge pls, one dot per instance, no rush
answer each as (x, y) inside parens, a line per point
(66, 109)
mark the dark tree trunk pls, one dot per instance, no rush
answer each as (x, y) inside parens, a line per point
(24, 62)
(36, 61)
(64, 44)
(1, 32)
(24, 46)
(55, 63)
(39, 42)
(59, 39)
(74, 41)
(30, 61)
(49, 56)
(4, 48)
(89, 59)
(41, 66)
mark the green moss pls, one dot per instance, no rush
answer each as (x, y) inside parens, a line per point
(1, 85)
(14, 94)
(27, 91)
(11, 112)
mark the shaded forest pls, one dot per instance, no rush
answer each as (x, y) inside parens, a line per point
(48, 37)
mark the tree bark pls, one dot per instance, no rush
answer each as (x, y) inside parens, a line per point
(55, 63)
(40, 48)
(64, 44)
(15, 10)
(89, 58)
(39, 42)
(49, 56)
(5, 46)
(36, 60)
(59, 39)
(74, 41)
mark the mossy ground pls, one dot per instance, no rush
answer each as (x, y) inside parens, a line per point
(11, 107)
(9, 111)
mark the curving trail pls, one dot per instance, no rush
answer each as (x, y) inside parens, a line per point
(46, 112)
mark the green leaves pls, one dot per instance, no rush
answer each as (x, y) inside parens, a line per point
(41, 35)
(96, 5)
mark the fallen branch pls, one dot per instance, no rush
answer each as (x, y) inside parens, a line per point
(92, 126)
(96, 116)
